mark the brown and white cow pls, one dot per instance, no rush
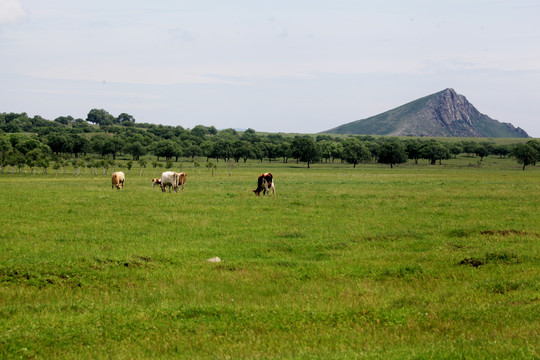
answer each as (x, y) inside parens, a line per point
(174, 179)
(156, 181)
(118, 179)
(265, 183)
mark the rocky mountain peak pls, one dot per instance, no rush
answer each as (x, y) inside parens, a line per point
(449, 107)
(445, 113)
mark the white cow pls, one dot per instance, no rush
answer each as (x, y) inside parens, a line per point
(171, 178)
(118, 179)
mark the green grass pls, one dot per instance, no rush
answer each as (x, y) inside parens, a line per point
(411, 262)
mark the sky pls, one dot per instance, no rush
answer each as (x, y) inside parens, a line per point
(274, 66)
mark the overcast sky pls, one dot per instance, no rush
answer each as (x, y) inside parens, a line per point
(278, 66)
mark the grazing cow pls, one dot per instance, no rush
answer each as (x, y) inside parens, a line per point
(118, 179)
(156, 181)
(265, 183)
(182, 179)
(171, 178)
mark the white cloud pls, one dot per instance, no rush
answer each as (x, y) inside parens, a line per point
(11, 11)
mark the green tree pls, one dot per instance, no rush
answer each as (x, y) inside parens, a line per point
(270, 150)
(35, 157)
(226, 133)
(392, 152)
(100, 117)
(14, 158)
(455, 149)
(323, 137)
(373, 148)
(336, 150)
(207, 148)
(64, 120)
(469, 147)
(434, 151)
(354, 151)
(135, 149)
(82, 126)
(14, 123)
(211, 166)
(535, 144)
(241, 150)
(212, 130)
(483, 149)
(113, 146)
(284, 151)
(250, 136)
(28, 144)
(502, 150)
(97, 144)
(412, 148)
(193, 150)
(258, 151)
(129, 165)
(200, 131)
(125, 119)
(525, 154)
(59, 143)
(5, 148)
(166, 149)
(44, 162)
(79, 144)
(142, 165)
(222, 149)
(305, 149)
(326, 147)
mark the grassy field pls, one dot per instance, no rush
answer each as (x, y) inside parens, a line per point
(411, 262)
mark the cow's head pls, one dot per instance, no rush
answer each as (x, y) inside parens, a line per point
(257, 191)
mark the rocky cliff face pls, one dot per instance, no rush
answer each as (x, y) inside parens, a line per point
(451, 114)
(442, 114)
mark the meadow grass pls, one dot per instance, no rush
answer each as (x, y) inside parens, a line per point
(369, 262)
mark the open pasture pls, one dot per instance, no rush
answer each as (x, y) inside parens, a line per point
(372, 262)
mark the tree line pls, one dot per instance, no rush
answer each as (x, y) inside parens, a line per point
(97, 140)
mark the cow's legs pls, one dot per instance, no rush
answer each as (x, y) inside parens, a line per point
(265, 186)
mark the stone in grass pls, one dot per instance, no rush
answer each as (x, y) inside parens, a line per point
(214, 260)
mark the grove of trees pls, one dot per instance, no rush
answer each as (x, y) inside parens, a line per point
(97, 140)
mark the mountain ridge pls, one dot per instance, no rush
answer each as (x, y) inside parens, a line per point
(442, 114)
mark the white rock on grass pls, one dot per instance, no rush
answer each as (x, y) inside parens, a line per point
(214, 260)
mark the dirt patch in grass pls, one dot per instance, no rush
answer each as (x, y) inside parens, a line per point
(136, 261)
(471, 262)
(490, 258)
(37, 278)
(503, 286)
(508, 232)
(228, 267)
(459, 233)
(295, 234)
